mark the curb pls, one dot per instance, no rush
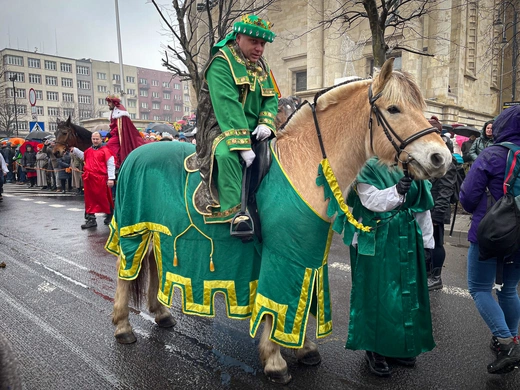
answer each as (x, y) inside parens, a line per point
(458, 238)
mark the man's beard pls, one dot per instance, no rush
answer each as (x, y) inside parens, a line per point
(111, 108)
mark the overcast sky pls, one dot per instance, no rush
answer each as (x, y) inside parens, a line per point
(85, 29)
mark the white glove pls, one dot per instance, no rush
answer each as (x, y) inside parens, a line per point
(248, 156)
(262, 132)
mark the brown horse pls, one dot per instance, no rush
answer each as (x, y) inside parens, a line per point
(70, 135)
(382, 117)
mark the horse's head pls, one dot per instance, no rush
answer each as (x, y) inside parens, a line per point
(65, 137)
(399, 127)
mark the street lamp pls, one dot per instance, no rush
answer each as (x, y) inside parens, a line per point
(14, 78)
(505, 26)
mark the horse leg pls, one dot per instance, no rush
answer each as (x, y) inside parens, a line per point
(123, 333)
(308, 354)
(163, 316)
(275, 367)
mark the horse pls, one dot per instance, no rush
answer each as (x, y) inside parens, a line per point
(70, 135)
(285, 277)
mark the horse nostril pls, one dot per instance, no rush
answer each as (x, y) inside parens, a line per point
(437, 160)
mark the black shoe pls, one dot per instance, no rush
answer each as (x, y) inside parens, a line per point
(508, 358)
(108, 219)
(89, 224)
(434, 280)
(44, 187)
(407, 362)
(494, 345)
(377, 364)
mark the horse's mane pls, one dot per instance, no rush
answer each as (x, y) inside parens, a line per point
(401, 89)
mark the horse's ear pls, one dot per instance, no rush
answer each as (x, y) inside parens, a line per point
(68, 121)
(383, 76)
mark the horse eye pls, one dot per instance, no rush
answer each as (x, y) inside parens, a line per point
(393, 110)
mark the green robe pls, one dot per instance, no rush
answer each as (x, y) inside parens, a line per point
(389, 302)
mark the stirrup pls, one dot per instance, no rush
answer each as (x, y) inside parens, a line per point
(242, 226)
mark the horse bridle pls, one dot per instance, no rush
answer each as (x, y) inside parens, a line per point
(387, 129)
(66, 139)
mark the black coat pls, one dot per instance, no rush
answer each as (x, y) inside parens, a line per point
(442, 191)
(64, 162)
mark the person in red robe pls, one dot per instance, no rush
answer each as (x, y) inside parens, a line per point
(124, 137)
(99, 175)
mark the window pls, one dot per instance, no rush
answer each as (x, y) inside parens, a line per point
(68, 112)
(132, 103)
(39, 95)
(39, 110)
(82, 84)
(101, 76)
(22, 125)
(165, 84)
(101, 88)
(85, 70)
(51, 80)
(176, 86)
(156, 106)
(116, 77)
(20, 92)
(53, 111)
(300, 81)
(130, 79)
(33, 62)
(167, 96)
(167, 107)
(13, 60)
(186, 109)
(130, 91)
(84, 114)
(186, 98)
(50, 65)
(168, 118)
(185, 87)
(66, 82)
(144, 115)
(20, 76)
(66, 67)
(132, 116)
(471, 37)
(178, 108)
(155, 94)
(35, 78)
(117, 89)
(84, 99)
(101, 101)
(20, 109)
(143, 92)
(156, 118)
(53, 126)
(68, 97)
(143, 81)
(144, 105)
(155, 83)
(53, 96)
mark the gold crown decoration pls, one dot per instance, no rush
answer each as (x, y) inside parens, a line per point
(255, 27)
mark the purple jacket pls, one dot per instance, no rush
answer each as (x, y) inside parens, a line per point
(488, 169)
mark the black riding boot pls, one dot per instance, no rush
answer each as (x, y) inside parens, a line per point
(91, 221)
(108, 219)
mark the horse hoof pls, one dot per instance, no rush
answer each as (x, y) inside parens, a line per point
(166, 322)
(280, 377)
(126, 338)
(313, 358)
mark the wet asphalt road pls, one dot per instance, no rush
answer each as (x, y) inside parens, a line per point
(56, 297)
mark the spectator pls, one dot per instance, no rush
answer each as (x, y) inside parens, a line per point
(77, 167)
(29, 164)
(487, 174)
(485, 140)
(98, 178)
(182, 138)
(5, 171)
(166, 137)
(52, 173)
(466, 147)
(42, 161)
(8, 154)
(390, 308)
(65, 172)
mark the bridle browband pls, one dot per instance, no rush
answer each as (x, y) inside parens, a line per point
(389, 132)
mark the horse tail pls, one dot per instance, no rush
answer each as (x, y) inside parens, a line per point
(139, 285)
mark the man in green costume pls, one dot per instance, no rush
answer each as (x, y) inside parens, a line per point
(390, 308)
(237, 101)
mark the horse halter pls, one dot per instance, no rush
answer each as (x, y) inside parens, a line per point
(389, 132)
(66, 144)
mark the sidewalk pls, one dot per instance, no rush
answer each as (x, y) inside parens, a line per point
(460, 230)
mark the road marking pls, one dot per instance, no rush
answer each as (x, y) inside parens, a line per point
(57, 205)
(62, 275)
(451, 290)
(8, 195)
(26, 199)
(47, 287)
(75, 209)
(40, 202)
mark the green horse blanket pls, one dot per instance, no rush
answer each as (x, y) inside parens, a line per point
(286, 275)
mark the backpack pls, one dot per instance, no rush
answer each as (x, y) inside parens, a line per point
(498, 233)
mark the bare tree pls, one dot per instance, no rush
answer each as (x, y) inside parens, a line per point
(196, 25)
(7, 110)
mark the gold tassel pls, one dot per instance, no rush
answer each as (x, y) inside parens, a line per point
(211, 265)
(175, 261)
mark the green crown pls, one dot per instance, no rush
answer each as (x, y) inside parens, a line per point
(255, 27)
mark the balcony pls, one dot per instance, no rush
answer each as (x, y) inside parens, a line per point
(156, 99)
(144, 86)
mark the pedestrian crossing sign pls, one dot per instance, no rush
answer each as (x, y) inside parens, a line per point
(36, 126)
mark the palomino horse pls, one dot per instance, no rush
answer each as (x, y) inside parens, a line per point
(68, 134)
(285, 278)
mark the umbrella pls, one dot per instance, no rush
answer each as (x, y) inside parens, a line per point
(161, 127)
(39, 135)
(466, 131)
(34, 145)
(104, 126)
(182, 122)
(102, 133)
(16, 141)
(447, 128)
